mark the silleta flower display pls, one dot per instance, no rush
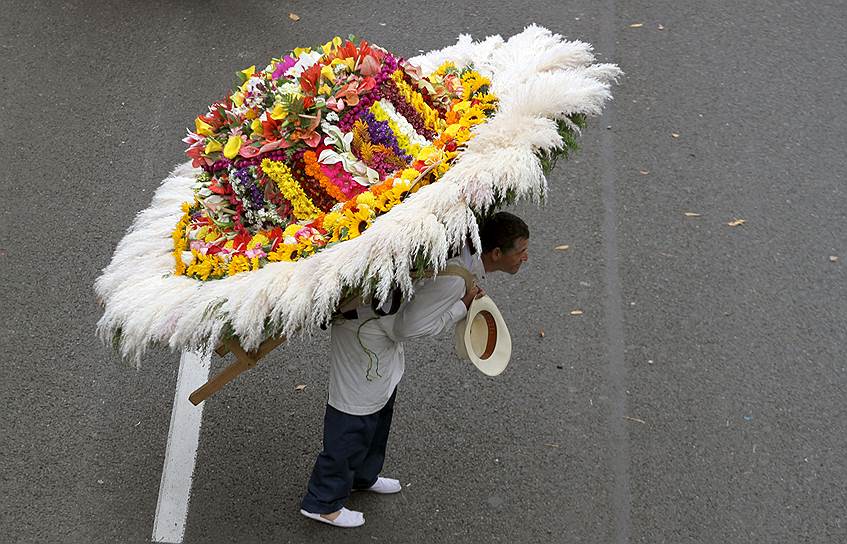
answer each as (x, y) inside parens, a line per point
(309, 151)
(342, 170)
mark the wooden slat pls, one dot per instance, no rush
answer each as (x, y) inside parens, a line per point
(243, 361)
(212, 386)
(268, 346)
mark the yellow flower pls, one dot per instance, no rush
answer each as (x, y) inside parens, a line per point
(212, 235)
(331, 220)
(203, 266)
(367, 199)
(248, 72)
(402, 185)
(232, 146)
(279, 112)
(238, 263)
(350, 63)
(431, 154)
(258, 238)
(327, 73)
(452, 130)
(304, 208)
(331, 45)
(284, 252)
(237, 98)
(291, 230)
(363, 212)
(203, 128)
(256, 127)
(462, 106)
(300, 50)
(212, 146)
(219, 267)
(387, 200)
(305, 247)
(463, 134)
(325, 90)
(472, 82)
(409, 174)
(179, 268)
(354, 226)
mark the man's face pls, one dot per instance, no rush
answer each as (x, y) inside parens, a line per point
(511, 260)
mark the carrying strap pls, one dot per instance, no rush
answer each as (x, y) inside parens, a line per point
(456, 270)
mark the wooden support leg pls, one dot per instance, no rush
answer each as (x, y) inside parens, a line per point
(243, 361)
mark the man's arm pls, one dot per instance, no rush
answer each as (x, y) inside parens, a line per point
(436, 305)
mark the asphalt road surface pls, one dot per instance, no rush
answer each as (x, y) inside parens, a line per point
(699, 398)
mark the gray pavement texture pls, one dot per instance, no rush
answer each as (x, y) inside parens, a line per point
(700, 397)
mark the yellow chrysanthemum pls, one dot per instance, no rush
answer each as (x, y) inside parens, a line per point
(409, 174)
(367, 199)
(238, 263)
(331, 220)
(202, 266)
(402, 138)
(290, 189)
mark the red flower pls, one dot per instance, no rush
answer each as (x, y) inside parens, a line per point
(241, 240)
(217, 188)
(309, 80)
(270, 129)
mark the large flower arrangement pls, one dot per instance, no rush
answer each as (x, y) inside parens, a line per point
(309, 151)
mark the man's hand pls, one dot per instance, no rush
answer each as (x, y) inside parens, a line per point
(470, 294)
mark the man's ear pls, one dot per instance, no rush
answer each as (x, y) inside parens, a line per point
(496, 253)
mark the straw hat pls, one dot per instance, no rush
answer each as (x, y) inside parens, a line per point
(483, 338)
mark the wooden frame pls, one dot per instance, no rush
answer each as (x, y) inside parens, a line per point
(243, 361)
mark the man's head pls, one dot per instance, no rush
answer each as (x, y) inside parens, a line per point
(505, 242)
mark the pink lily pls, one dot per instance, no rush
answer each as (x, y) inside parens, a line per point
(276, 144)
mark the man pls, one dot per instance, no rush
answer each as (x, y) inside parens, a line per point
(367, 363)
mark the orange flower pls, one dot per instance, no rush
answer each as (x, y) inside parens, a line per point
(313, 169)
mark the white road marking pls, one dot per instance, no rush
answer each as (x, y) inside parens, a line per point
(181, 453)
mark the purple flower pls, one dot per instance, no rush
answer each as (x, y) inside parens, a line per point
(245, 179)
(283, 67)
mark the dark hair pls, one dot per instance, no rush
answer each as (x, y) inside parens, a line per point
(502, 230)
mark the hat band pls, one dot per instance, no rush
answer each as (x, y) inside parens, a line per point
(492, 334)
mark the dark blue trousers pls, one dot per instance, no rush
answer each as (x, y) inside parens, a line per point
(352, 457)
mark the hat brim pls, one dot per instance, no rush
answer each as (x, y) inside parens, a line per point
(483, 337)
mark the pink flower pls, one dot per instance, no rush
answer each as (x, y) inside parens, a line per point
(248, 151)
(256, 252)
(335, 104)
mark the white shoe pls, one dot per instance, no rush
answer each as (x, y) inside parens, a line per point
(346, 519)
(385, 486)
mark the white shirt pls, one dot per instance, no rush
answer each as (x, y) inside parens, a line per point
(437, 304)
(366, 354)
(366, 364)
